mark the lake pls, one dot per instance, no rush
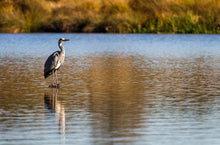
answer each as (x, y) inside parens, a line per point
(114, 89)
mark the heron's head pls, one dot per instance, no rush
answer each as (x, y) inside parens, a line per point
(63, 40)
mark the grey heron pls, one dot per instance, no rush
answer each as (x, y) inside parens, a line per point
(54, 62)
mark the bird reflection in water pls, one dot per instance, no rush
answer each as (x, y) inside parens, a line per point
(57, 108)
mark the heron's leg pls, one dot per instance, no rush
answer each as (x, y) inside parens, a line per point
(56, 77)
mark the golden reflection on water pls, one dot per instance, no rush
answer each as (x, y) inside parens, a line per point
(123, 90)
(119, 92)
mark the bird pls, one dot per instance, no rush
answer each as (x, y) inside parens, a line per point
(54, 62)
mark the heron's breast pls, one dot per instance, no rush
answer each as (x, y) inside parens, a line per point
(58, 65)
(60, 61)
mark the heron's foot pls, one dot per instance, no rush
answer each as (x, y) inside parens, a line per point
(54, 86)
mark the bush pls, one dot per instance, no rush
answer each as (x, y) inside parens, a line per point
(111, 16)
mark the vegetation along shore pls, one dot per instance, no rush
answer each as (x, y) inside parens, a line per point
(110, 16)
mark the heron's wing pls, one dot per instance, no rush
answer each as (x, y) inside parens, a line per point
(51, 63)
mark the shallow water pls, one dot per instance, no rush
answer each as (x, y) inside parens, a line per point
(115, 89)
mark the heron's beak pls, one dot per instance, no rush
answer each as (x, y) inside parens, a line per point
(66, 40)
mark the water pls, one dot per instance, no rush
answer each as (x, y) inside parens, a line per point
(115, 89)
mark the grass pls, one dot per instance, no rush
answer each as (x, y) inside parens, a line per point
(110, 16)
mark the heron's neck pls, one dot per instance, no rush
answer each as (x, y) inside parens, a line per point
(61, 48)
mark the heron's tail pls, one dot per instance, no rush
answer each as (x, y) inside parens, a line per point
(47, 73)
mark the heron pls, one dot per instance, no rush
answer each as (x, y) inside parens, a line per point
(54, 62)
